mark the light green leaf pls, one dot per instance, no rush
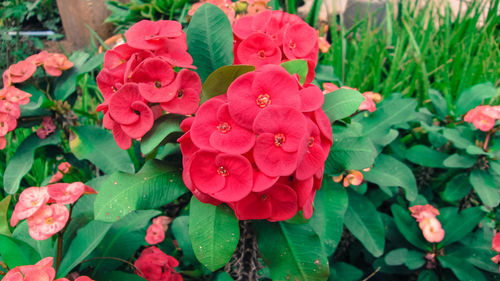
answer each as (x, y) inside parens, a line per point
(461, 137)
(342, 103)
(439, 103)
(425, 156)
(459, 161)
(84, 243)
(21, 162)
(180, 229)
(292, 251)
(99, 147)
(408, 227)
(414, 259)
(396, 256)
(463, 271)
(218, 81)
(458, 225)
(350, 153)
(457, 188)
(474, 96)
(166, 128)
(16, 252)
(297, 67)
(153, 186)
(210, 40)
(45, 248)
(388, 171)
(4, 224)
(214, 233)
(364, 221)
(486, 187)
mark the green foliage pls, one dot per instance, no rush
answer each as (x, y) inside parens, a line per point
(4, 206)
(341, 103)
(165, 129)
(218, 81)
(298, 67)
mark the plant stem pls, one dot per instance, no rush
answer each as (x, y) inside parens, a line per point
(487, 140)
(59, 250)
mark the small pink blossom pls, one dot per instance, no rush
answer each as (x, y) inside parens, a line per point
(495, 243)
(155, 234)
(68, 193)
(421, 212)
(431, 229)
(41, 271)
(54, 64)
(30, 201)
(369, 102)
(324, 45)
(353, 178)
(47, 127)
(483, 117)
(21, 71)
(329, 87)
(47, 221)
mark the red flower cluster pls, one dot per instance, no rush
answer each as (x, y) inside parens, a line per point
(272, 37)
(261, 148)
(155, 265)
(156, 231)
(11, 97)
(45, 220)
(138, 80)
(495, 245)
(41, 271)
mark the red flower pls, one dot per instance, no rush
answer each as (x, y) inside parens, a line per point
(297, 41)
(258, 49)
(115, 60)
(54, 64)
(7, 124)
(47, 221)
(109, 82)
(186, 88)
(314, 155)
(155, 265)
(151, 35)
(68, 193)
(153, 76)
(311, 98)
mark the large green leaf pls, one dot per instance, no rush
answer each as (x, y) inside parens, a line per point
(99, 147)
(425, 156)
(457, 225)
(396, 256)
(463, 270)
(45, 248)
(292, 251)
(459, 161)
(298, 67)
(214, 233)
(153, 186)
(165, 128)
(16, 252)
(474, 96)
(461, 137)
(389, 171)
(365, 223)
(330, 205)
(130, 231)
(210, 40)
(457, 188)
(85, 242)
(486, 187)
(4, 224)
(408, 227)
(342, 103)
(21, 162)
(218, 81)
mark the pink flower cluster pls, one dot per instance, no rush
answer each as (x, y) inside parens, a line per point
(41, 271)
(495, 245)
(139, 83)
(44, 219)
(428, 223)
(260, 148)
(46, 128)
(156, 231)
(272, 37)
(62, 169)
(352, 177)
(155, 265)
(483, 117)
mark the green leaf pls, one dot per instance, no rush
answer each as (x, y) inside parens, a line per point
(128, 231)
(461, 137)
(214, 232)
(165, 128)
(427, 275)
(15, 252)
(408, 227)
(210, 40)
(180, 229)
(474, 96)
(457, 188)
(34, 107)
(414, 259)
(350, 153)
(21, 162)
(122, 276)
(486, 187)
(224, 276)
(45, 248)
(342, 103)
(99, 147)
(153, 186)
(439, 103)
(463, 270)
(364, 221)
(396, 256)
(425, 156)
(292, 251)
(345, 272)
(297, 67)
(330, 205)
(84, 243)
(4, 224)
(388, 171)
(459, 161)
(312, 16)
(218, 81)
(458, 225)
(66, 83)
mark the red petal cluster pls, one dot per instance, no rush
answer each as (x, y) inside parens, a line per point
(260, 148)
(139, 83)
(155, 265)
(41, 271)
(273, 37)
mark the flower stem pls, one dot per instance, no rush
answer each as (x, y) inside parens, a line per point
(59, 250)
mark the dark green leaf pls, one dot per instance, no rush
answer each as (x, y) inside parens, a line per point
(342, 103)
(426, 156)
(408, 227)
(396, 256)
(22, 160)
(414, 259)
(439, 103)
(364, 221)
(122, 276)
(345, 272)
(85, 242)
(427, 275)
(352, 153)
(459, 161)
(45, 248)
(99, 147)
(15, 252)
(312, 16)
(153, 186)
(224, 276)
(457, 188)
(474, 96)
(214, 232)
(164, 127)
(330, 205)
(4, 224)
(218, 81)
(180, 229)
(463, 270)
(292, 251)
(66, 83)
(297, 67)
(461, 137)
(486, 187)
(458, 225)
(210, 40)
(33, 108)
(388, 171)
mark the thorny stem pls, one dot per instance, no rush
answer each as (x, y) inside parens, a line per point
(60, 236)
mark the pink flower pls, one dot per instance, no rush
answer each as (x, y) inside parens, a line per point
(162, 221)
(108, 82)
(83, 278)
(115, 60)
(495, 243)
(39, 58)
(10, 108)
(62, 168)
(353, 178)
(41, 271)
(15, 95)
(68, 193)
(324, 45)
(151, 35)
(30, 201)
(483, 117)
(258, 49)
(421, 212)
(155, 265)
(21, 71)
(369, 102)
(47, 127)
(3, 143)
(47, 221)
(7, 123)
(155, 234)
(54, 64)
(431, 229)
(186, 90)
(329, 87)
